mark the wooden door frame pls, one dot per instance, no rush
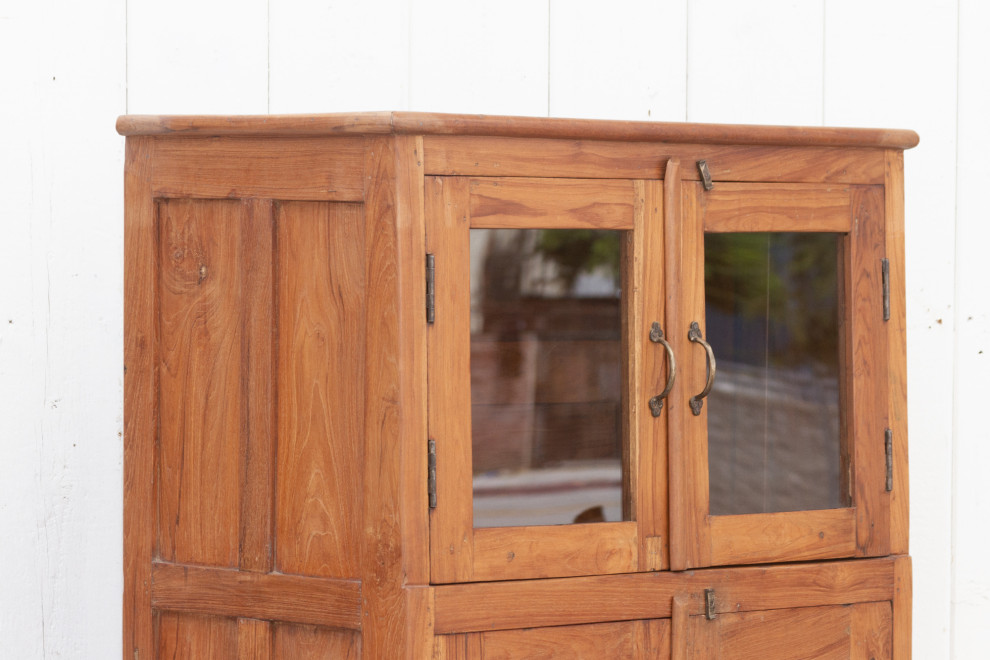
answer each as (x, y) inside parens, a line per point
(460, 552)
(699, 539)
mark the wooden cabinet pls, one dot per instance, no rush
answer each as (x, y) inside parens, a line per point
(415, 385)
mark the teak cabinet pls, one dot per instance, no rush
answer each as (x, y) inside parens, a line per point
(438, 386)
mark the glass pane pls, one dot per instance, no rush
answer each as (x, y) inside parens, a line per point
(771, 311)
(546, 385)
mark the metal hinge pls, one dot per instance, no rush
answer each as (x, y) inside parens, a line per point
(710, 604)
(430, 288)
(706, 176)
(889, 452)
(885, 265)
(431, 472)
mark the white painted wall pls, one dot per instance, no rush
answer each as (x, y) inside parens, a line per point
(70, 68)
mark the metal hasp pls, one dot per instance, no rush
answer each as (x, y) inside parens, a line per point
(656, 336)
(431, 472)
(710, 604)
(706, 176)
(889, 452)
(430, 288)
(696, 402)
(885, 269)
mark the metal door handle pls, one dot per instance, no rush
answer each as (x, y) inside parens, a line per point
(694, 334)
(656, 336)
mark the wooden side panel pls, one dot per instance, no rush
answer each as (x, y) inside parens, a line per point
(535, 202)
(796, 536)
(274, 168)
(203, 369)
(868, 372)
(140, 397)
(270, 596)
(191, 637)
(449, 380)
(295, 642)
(321, 295)
(753, 207)
(494, 156)
(254, 639)
(897, 348)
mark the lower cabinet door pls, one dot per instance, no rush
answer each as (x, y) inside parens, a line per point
(627, 639)
(837, 632)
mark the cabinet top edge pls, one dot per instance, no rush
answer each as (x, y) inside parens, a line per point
(427, 123)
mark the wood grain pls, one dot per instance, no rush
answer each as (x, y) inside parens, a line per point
(381, 543)
(279, 168)
(202, 368)
(449, 380)
(507, 553)
(423, 123)
(793, 535)
(411, 246)
(823, 633)
(258, 349)
(897, 349)
(868, 389)
(254, 639)
(295, 642)
(680, 635)
(690, 537)
(511, 157)
(602, 640)
(321, 320)
(871, 630)
(269, 596)
(902, 608)
(184, 636)
(571, 601)
(737, 207)
(140, 396)
(552, 203)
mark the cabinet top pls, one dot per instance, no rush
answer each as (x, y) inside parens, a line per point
(427, 123)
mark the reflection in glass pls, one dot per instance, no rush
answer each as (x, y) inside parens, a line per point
(771, 309)
(546, 390)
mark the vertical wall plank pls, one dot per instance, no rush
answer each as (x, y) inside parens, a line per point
(338, 56)
(485, 57)
(915, 88)
(197, 57)
(623, 60)
(61, 370)
(971, 579)
(755, 63)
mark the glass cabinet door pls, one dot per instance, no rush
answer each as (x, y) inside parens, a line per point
(781, 409)
(545, 465)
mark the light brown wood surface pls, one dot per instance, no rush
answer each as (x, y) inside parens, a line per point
(321, 325)
(281, 383)
(423, 123)
(533, 202)
(140, 397)
(516, 157)
(571, 601)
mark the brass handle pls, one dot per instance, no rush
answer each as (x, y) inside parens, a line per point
(694, 334)
(656, 336)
